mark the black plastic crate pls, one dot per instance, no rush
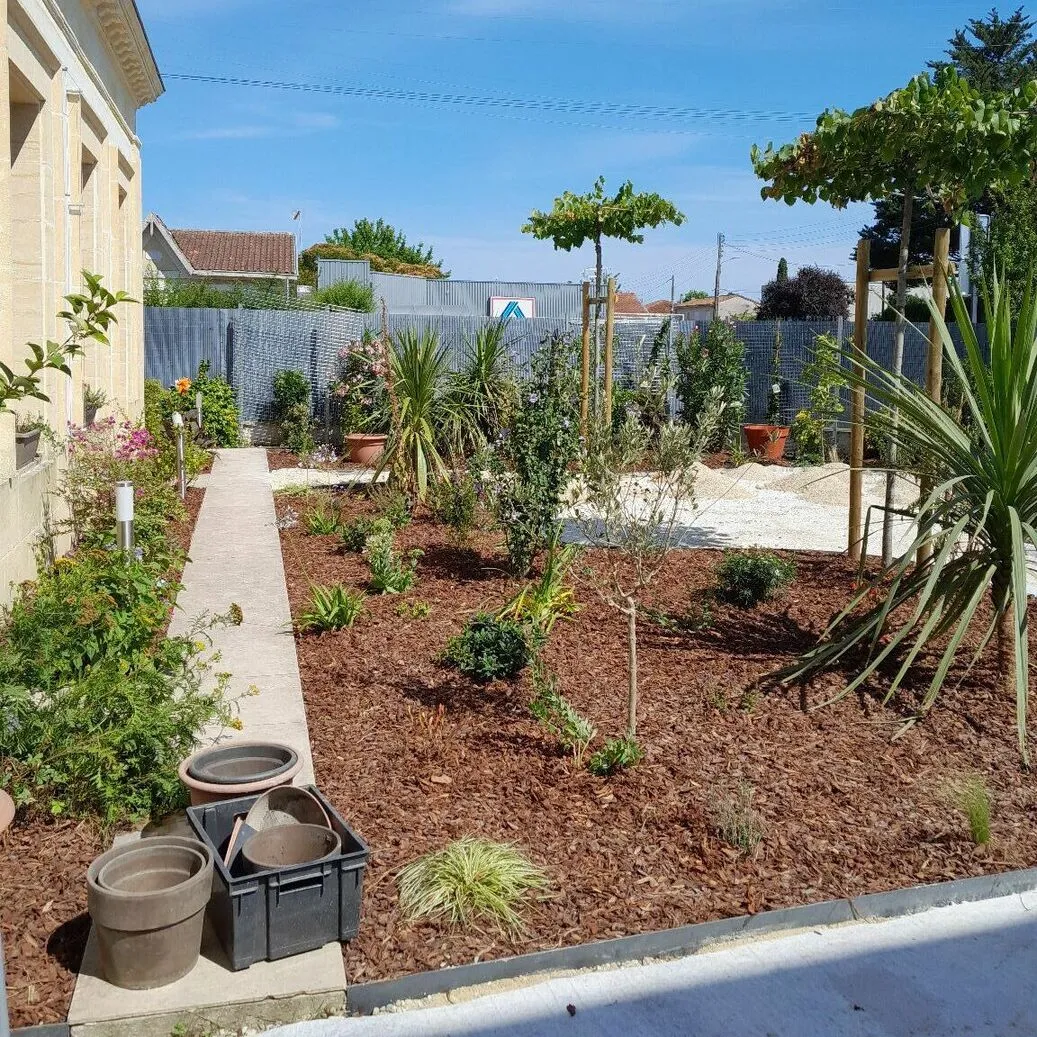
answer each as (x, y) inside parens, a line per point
(277, 913)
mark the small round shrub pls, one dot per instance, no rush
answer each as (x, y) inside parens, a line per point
(489, 648)
(746, 578)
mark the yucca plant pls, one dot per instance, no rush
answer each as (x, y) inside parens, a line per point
(485, 387)
(470, 879)
(974, 525)
(541, 603)
(422, 406)
(331, 608)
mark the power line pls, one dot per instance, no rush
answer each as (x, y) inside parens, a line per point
(561, 105)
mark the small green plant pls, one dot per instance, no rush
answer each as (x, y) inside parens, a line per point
(617, 754)
(455, 503)
(93, 399)
(414, 609)
(814, 427)
(971, 796)
(468, 880)
(332, 608)
(390, 574)
(745, 578)
(392, 504)
(354, 533)
(489, 648)
(322, 521)
(541, 603)
(559, 717)
(736, 820)
(220, 417)
(292, 407)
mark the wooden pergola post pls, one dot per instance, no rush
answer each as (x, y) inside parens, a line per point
(860, 349)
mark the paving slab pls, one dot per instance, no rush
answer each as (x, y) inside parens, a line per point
(305, 986)
(957, 971)
(235, 557)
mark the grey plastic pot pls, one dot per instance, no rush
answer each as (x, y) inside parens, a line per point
(26, 447)
(147, 900)
(237, 769)
(288, 845)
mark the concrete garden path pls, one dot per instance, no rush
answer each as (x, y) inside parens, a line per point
(948, 972)
(236, 557)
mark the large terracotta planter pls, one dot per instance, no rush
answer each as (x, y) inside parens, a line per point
(766, 441)
(365, 448)
(6, 810)
(147, 900)
(238, 768)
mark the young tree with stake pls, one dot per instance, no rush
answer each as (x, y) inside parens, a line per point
(936, 137)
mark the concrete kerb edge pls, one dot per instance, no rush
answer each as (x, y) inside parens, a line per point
(49, 1030)
(365, 998)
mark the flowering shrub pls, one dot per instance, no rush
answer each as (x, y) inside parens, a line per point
(712, 371)
(101, 455)
(360, 386)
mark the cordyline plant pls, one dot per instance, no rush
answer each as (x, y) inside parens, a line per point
(936, 138)
(978, 521)
(88, 318)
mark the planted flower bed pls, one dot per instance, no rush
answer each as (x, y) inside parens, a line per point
(746, 800)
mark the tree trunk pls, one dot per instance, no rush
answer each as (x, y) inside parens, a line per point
(631, 611)
(897, 368)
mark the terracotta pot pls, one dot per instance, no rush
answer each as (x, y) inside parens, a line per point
(147, 900)
(766, 441)
(365, 448)
(26, 447)
(6, 810)
(237, 769)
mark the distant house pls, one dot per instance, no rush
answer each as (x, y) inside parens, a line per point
(221, 257)
(732, 306)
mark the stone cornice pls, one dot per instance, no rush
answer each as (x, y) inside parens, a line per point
(124, 32)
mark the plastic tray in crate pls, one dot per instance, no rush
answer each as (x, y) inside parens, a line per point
(277, 913)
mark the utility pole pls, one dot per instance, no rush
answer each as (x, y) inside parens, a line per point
(716, 287)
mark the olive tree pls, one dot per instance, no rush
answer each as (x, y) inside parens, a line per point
(936, 138)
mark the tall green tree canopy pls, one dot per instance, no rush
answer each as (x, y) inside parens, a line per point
(381, 239)
(994, 54)
(576, 219)
(938, 137)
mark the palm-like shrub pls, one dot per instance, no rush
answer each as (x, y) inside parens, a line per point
(486, 388)
(976, 522)
(422, 406)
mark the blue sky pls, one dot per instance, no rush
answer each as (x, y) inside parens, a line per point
(463, 177)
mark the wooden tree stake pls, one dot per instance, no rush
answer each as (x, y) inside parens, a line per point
(860, 348)
(585, 369)
(610, 323)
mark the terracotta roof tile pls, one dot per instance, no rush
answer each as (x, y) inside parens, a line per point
(659, 306)
(628, 302)
(238, 252)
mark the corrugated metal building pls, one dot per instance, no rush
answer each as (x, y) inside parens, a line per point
(452, 297)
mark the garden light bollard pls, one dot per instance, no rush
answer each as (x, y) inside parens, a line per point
(124, 515)
(181, 467)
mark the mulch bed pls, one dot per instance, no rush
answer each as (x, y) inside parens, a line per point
(415, 756)
(43, 915)
(276, 459)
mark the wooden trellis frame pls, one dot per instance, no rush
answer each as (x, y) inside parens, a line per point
(937, 272)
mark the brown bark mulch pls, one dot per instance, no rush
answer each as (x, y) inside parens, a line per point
(414, 756)
(43, 914)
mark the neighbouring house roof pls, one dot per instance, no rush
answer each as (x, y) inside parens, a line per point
(692, 304)
(628, 302)
(233, 253)
(659, 306)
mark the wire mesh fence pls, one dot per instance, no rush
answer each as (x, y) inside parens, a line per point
(250, 346)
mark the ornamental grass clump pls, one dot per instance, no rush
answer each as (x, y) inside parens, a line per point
(471, 880)
(332, 608)
(736, 820)
(971, 796)
(976, 521)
